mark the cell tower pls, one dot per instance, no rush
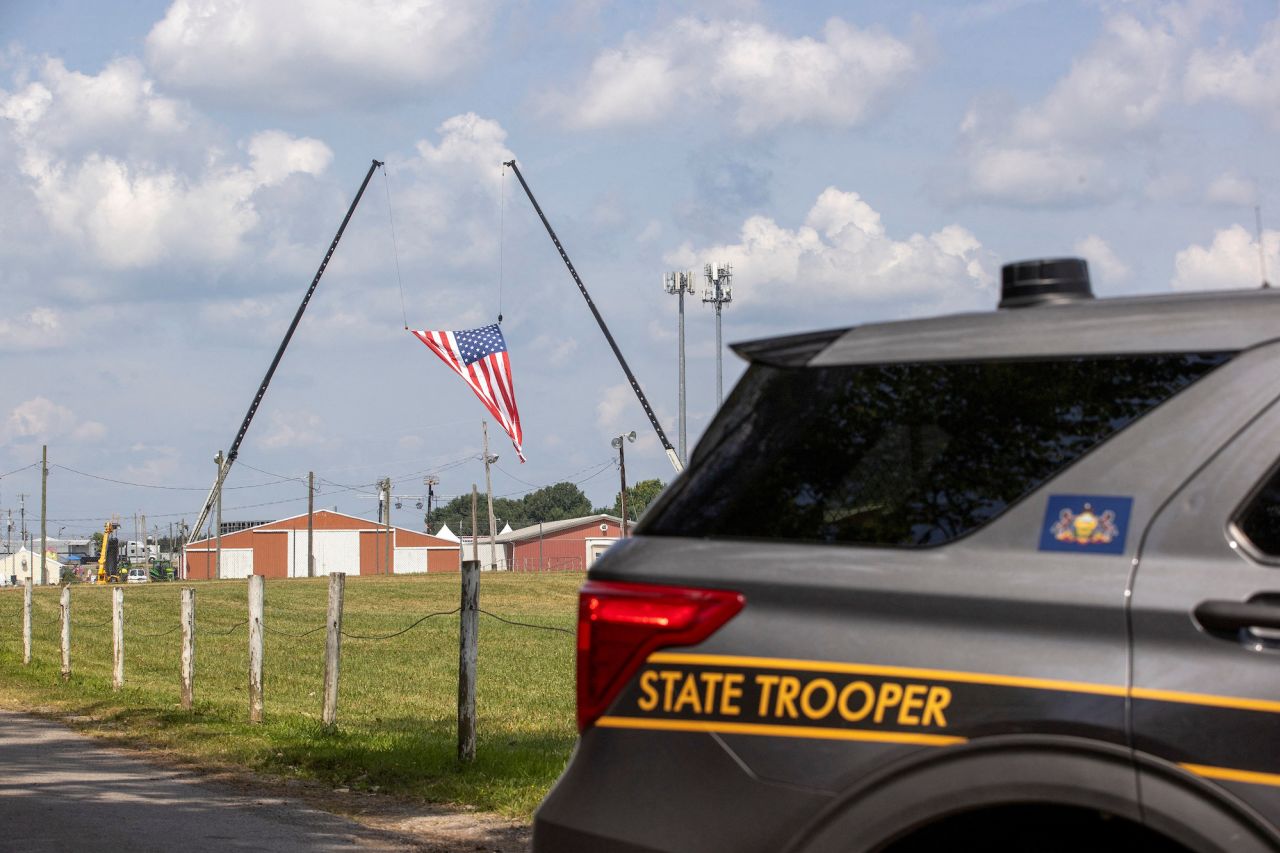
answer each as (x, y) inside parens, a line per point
(719, 292)
(680, 283)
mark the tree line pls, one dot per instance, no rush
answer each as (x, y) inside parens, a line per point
(550, 503)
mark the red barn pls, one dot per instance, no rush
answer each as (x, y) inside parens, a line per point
(569, 545)
(342, 543)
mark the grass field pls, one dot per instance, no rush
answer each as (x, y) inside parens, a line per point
(397, 709)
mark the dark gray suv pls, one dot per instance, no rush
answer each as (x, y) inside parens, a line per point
(1000, 581)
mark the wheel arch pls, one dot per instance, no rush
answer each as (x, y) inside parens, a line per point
(1050, 770)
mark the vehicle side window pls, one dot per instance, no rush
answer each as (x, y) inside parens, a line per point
(904, 455)
(1260, 519)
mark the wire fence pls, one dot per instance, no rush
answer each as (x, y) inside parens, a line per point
(351, 636)
(267, 628)
(150, 636)
(529, 624)
(403, 631)
(47, 630)
(16, 618)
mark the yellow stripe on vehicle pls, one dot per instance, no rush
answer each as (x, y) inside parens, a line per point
(811, 732)
(1227, 774)
(1267, 705)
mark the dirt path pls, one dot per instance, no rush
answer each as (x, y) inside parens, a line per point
(65, 791)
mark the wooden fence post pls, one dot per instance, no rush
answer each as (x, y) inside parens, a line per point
(188, 618)
(26, 623)
(256, 596)
(333, 648)
(64, 609)
(117, 638)
(468, 639)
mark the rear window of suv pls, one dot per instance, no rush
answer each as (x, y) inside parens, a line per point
(904, 455)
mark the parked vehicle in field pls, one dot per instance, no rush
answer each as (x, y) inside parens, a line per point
(138, 574)
(110, 570)
(135, 552)
(999, 581)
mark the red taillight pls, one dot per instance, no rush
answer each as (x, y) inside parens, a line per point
(621, 624)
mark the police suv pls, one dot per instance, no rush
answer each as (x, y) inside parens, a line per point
(997, 581)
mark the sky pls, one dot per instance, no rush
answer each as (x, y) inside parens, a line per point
(172, 172)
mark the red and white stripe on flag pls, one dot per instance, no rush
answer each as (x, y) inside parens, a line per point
(480, 357)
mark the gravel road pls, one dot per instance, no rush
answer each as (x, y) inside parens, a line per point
(60, 790)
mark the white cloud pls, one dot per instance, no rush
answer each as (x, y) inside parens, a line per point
(447, 196)
(613, 403)
(41, 419)
(843, 253)
(650, 232)
(1119, 87)
(556, 350)
(158, 466)
(275, 156)
(763, 78)
(315, 55)
(135, 177)
(1230, 262)
(67, 111)
(89, 432)
(1031, 175)
(1102, 259)
(1232, 190)
(39, 328)
(296, 429)
(1064, 150)
(1248, 79)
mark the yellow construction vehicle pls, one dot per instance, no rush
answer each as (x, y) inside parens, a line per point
(109, 555)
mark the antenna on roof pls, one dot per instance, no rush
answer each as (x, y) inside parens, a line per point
(1262, 255)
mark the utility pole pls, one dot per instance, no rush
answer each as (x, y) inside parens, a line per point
(488, 491)
(475, 539)
(680, 283)
(217, 565)
(22, 521)
(311, 518)
(44, 506)
(430, 481)
(719, 292)
(387, 494)
(620, 445)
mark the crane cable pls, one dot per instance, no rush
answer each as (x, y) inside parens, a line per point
(502, 226)
(395, 251)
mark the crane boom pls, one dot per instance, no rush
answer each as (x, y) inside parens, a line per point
(225, 468)
(595, 312)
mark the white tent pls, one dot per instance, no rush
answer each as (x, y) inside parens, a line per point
(19, 566)
(445, 533)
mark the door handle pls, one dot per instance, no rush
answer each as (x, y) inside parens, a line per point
(1228, 617)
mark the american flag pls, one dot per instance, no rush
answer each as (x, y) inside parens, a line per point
(480, 357)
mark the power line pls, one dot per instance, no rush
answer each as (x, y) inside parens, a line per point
(19, 470)
(268, 473)
(339, 488)
(158, 486)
